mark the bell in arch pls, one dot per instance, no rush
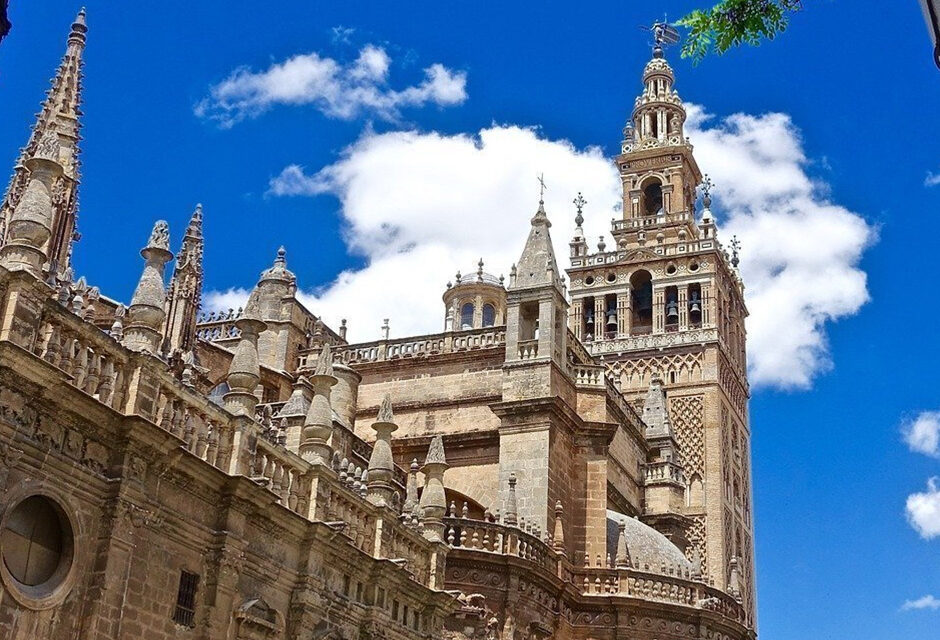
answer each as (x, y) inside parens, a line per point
(611, 320)
(672, 312)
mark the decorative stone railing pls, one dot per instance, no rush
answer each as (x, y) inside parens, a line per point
(669, 585)
(284, 473)
(417, 347)
(664, 250)
(528, 349)
(652, 341)
(664, 471)
(499, 538)
(673, 585)
(589, 375)
(218, 330)
(94, 362)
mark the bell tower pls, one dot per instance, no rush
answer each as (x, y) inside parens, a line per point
(666, 302)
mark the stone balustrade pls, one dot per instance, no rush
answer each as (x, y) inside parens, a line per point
(589, 375)
(417, 347)
(664, 471)
(92, 360)
(673, 585)
(499, 538)
(528, 349)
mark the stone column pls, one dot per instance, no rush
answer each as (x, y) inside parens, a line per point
(623, 313)
(600, 317)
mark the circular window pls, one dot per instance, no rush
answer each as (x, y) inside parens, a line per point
(693, 267)
(589, 280)
(36, 546)
(671, 269)
(611, 277)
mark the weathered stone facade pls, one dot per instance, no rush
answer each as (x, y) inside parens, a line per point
(253, 475)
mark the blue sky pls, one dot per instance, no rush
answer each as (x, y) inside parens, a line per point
(843, 105)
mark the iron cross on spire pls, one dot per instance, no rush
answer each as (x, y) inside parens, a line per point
(542, 188)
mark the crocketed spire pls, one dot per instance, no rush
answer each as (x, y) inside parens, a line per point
(57, 128)
(185, 291)
(146, 313)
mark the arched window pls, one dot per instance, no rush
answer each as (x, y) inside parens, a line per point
(489, 315)
(466, 316)
(652, 198)
(641, 284)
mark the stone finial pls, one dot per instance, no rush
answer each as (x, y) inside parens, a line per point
(117, 326)
(480, 270)
(734, 580)
(558, 534)
(324, 361)
(623, 553)
(318, 425)
(385, 329)
(342, 328)
(385, 409)
(433, 501)
(146, 312)
(696, 561)
(244, 372)
(381, 464)
(411, 488)
(511, 508)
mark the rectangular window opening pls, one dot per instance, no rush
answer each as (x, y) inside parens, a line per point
(185, 612)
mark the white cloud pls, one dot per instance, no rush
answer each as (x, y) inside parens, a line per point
(233, 298)
(800, 251)
(922, 434)
(419, 206)
(932, 179)
(923, 511)
(337, 89)
(926, 602)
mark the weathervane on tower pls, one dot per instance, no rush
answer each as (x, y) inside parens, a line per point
(664, 34)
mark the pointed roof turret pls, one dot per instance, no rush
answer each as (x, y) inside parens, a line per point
(537, 266)
(655, 414)
(146, 313)
(185, 291)
(59, 117)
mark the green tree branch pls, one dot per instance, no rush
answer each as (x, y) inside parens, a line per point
(734, 22)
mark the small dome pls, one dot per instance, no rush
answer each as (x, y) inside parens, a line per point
(646, 545)
(279, 270)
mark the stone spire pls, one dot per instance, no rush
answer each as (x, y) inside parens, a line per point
(56, 127)
(411, 489)
(185, 291)
(381, 464)
(146, 313)
(511, 508)
(30, 223)
(318, 427)
(433, 502)
(623, 552)
(578, 244)
(655, 414)
(558, 532)
(244, 372)
(537, 266)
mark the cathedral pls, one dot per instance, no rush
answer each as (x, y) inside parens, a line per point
(568, 458)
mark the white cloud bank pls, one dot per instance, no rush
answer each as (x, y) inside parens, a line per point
(923, 511)
(932, 179)
(926, 602)
(419, 206)
(338, 90)
(922, 434)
